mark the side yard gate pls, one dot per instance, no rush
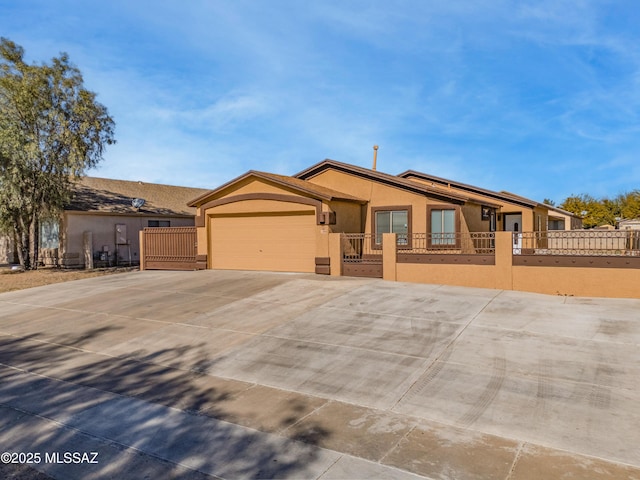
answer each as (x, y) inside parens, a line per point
(359, 258)
(170, 248)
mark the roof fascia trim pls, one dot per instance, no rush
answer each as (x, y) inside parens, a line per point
(470, 188)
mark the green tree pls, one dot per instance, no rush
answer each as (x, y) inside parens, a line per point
(604, 211)
(548, 201)
(51, 130)
(593, 212)
(629, 205)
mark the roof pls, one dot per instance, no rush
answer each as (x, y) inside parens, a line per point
(504, 196)
(385, 178)
(105, 195)
(302, 186)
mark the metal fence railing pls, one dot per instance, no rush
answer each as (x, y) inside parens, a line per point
(474, 243)
(358, 248)
(578, 242)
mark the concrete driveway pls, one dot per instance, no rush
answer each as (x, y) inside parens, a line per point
(264, 375)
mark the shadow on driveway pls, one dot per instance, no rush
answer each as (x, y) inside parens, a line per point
(169, 416)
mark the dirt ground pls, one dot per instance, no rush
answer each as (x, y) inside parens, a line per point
(18, 280)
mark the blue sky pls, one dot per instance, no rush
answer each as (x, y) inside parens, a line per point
(540, 98)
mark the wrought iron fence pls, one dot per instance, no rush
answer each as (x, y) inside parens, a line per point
(474, 243)
(579, 242)
(358, 248)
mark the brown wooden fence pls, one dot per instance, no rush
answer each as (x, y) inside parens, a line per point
(170, 248)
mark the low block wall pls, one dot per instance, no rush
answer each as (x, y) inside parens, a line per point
(573, 281)
(618, 278)
(578, 281)
(480, 276)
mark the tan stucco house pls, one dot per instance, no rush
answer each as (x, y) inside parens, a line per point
(263, 221)
(102, 220)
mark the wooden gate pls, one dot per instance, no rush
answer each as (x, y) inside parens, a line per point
(170, 248)
(359, 259)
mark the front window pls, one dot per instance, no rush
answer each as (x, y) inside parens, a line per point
(556, 225)
(159, 223)
(392, 221)
(443, 226)
(49, 234)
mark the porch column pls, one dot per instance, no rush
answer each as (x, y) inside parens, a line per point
(389, 256)
(504, 260)
(335, 254)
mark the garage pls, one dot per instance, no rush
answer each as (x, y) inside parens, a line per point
(263, 221)
(275, 241)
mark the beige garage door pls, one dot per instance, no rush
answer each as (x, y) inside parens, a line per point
(282, 242)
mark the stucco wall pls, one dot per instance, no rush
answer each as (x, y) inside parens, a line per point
(256, 207)
(255, 185)
(348, 217)
(583, 282)
(472, 217)
(203, 241)
(480, 276)
(543, 215)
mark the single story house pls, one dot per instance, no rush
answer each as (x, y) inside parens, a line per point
(264, 221)
(104, 217)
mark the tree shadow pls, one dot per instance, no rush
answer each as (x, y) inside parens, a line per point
(139, 412)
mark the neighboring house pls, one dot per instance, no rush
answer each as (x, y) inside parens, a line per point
(263, 221)
(633, 224)
(102, 221)
(506, 211)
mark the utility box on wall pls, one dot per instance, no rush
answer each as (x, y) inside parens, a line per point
(121, 234)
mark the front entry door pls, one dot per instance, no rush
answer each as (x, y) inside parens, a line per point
(513, 223)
